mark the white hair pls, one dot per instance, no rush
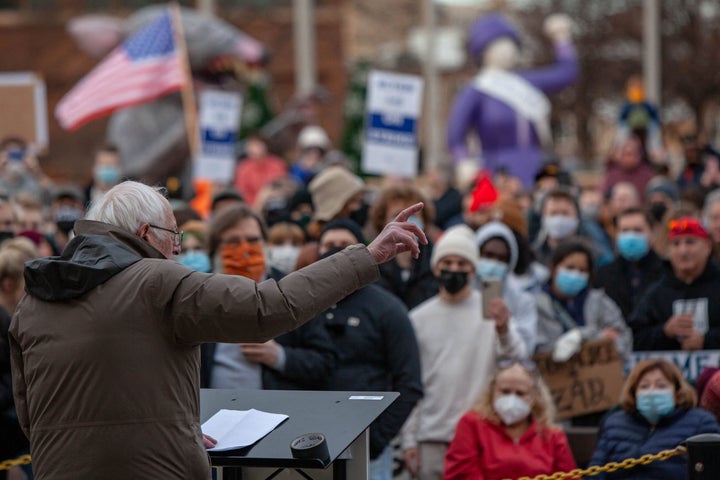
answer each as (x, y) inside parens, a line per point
(130, 204)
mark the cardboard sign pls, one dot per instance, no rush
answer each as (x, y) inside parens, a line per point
(393, 107)
(589, 382)
(689, 363)
(24, 104)
(219, 123)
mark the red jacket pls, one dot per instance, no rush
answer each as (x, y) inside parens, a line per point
(482, 450)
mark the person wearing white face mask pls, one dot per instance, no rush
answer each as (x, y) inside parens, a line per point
(515, 416)
(498, 251)
(284, 242)
(560, 221)
(657, 413)
(637, 266)
(570, 311)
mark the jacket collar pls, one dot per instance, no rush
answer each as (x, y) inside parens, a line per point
(137, 244)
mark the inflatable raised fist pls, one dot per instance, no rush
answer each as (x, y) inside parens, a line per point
(505, 108)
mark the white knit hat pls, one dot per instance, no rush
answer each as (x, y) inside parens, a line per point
(458, 240)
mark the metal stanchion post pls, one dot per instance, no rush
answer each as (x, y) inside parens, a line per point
(703, 456)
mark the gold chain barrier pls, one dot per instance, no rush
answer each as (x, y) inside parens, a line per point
(21, 460)
(610, 466)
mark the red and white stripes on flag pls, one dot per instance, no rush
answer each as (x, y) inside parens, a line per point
(146, 66)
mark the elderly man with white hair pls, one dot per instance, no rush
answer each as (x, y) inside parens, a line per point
(106, 343)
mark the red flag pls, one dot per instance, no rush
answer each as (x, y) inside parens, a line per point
(146, 66)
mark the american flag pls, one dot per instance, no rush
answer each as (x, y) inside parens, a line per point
(146, 66)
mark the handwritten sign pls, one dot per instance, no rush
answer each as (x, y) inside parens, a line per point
(589, 382)
(689, 363)
(393, 108)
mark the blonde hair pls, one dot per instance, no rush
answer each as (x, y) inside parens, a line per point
(12, 264)
(23, 245)
(543, 408)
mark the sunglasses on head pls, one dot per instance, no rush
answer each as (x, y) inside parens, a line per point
(505, 363)
(686, 226)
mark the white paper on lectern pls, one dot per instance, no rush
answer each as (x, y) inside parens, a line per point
(239, 428)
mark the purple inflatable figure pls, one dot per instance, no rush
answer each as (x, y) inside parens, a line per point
(506, 109)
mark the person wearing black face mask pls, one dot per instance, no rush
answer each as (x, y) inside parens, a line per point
(68, 206)
(371, 332)
(461, 346)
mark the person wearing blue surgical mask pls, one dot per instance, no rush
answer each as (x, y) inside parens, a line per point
(636, 266)
(499, 253)
(657, 413)
(107, 171)
(193, 254)
(570, 311)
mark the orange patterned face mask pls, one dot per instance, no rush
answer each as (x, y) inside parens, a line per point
(243, 258)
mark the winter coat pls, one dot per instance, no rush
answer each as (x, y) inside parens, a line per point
(377, 350)
(614, 279)
(669, 294)
(419, 286)
(629, 435)
(483, 450)
(599, 312)
(106, 349)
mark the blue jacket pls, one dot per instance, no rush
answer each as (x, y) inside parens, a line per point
(625, 435)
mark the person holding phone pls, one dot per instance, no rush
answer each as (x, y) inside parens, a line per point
(19, 168)
(499, 252)
(458, 350)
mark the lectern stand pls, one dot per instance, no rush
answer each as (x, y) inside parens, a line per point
(342, 417)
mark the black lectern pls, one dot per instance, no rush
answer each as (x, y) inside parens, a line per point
(342, 417)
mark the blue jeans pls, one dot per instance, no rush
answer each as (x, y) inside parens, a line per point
(381, 467)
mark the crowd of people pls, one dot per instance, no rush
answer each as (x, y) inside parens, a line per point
(507, 273)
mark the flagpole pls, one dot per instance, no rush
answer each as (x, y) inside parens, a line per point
(187, 92)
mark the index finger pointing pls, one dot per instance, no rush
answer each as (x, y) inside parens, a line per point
(408, 212)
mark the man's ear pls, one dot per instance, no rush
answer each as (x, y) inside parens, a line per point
(143, 231)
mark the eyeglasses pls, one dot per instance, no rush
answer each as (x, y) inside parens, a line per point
(505, 363)
(177, 236)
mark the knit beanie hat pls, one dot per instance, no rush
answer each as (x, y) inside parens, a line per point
(487, 29)
(331, 189)
(458, 240)
(497, 229)
(710, 399)
(344, 224)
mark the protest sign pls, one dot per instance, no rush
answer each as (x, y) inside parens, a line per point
(690, 363)
(24, 103)
(392, 111)
(219, 121)
(589, 382)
